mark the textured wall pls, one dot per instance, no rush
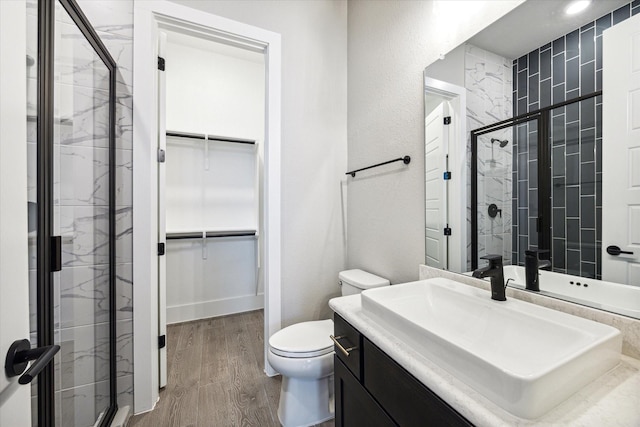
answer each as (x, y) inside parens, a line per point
(390, 44)
(314, 143)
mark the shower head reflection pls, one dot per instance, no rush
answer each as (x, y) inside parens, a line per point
(503, 142)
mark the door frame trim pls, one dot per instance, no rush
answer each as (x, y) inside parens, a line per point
(457, 163)
(149, 16)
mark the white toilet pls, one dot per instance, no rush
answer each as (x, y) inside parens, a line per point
(303, 354)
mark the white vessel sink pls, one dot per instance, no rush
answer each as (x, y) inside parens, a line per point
(523, 357)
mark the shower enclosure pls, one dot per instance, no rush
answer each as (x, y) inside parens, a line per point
(71, 193)
(536, 183)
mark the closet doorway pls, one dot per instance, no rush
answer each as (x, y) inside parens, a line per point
(211, 147)
(207, 140)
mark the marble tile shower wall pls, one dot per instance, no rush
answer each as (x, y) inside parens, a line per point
(81, 198)
(566, 68)
(488, 81)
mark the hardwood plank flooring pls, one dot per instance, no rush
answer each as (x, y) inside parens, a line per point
(215, 376)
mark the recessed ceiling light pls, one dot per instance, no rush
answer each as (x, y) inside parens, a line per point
(577, 7)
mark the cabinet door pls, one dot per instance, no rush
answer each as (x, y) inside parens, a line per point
(408, 401)
(354, 406)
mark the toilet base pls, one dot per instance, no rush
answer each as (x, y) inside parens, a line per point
(306, 402)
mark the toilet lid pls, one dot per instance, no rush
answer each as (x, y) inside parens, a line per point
(306, 339)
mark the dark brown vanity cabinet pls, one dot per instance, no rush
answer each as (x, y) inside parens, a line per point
(371, 389)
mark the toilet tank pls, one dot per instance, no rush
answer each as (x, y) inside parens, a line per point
(356, 281)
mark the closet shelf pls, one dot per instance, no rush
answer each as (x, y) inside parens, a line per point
(209, 234)
(205, 137)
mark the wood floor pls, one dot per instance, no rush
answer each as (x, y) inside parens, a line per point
(215, 376)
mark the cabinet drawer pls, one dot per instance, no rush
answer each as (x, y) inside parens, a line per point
(404, 398)
(351, 340)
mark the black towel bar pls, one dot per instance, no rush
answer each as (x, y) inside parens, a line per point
(405, 159)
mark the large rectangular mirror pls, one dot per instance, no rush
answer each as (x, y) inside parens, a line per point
(530, 152)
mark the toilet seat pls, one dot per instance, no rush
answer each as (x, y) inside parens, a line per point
(303, 340)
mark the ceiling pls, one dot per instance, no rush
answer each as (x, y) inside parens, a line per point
(536, 23)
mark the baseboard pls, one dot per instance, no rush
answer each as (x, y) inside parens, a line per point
(222, 307)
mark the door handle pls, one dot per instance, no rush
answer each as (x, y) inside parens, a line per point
(615, 251)
(20, 354)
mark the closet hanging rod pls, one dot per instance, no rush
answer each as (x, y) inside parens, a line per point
(230, 139)
(202, 136)
(405, 159)
(210, 234)
(187, 135)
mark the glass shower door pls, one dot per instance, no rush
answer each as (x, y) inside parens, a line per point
(71, 184)
(82, 188)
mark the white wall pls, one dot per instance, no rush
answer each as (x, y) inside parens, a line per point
(314, 142)
(390, 43)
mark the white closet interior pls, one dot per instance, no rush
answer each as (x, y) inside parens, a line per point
(215, 100)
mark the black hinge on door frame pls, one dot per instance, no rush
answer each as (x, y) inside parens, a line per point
(160, 63)
(447, 175)
(56, 253)
(161, 249)
(447, 120)
(162, 341)
(447, 230)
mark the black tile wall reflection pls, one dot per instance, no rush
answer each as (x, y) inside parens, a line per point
(566, 68)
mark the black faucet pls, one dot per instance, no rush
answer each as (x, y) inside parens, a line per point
(532, 264)
(495, 272)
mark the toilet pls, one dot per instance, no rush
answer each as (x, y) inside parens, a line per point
(303, 354)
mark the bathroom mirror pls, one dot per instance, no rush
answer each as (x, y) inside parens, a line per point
(533, 58)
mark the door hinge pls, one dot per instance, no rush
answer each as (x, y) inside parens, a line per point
(161, 249)
(447, 231)
(160, 63)
(447, 175)
(161, 155)
(447, 120)
(56, 253)
(162, 341)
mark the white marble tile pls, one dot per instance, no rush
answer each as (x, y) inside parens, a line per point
(84, 295)
(124, 347)
(85, 115)
(85, 235)
(84, 353)
(111, 16)
(124, 234)
(92, 164)
(488, 84)
(76, 62)
(124, 291)
(81, 406)
(121, 50)
(124, 119)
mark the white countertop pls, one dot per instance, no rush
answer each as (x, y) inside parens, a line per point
(611, 400)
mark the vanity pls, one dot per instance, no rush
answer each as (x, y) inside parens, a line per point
(372, 389)
(389, 376)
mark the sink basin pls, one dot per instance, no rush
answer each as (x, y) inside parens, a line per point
(523, 357)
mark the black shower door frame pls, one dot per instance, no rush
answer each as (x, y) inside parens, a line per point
(543, 223)
(48, 255)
